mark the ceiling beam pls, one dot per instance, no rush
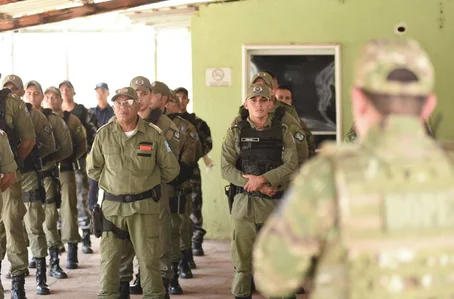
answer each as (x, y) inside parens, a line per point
(71, 13)
(3, 2)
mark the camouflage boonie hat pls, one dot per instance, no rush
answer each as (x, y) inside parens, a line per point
(34, 83)
(258, 90)
(15, 80)
(125, 91)
(54, 90)
(379, 58)
(266, 77)
(160, 87)
(140, 82)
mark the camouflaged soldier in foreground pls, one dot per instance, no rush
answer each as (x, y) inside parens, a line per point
(376, 215)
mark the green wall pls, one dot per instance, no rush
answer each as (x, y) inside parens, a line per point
(219, 30)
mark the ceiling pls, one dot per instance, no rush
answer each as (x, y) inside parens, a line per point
(159, 15)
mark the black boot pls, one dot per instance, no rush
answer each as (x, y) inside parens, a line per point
(8, 274)
(72, 261)
(17, 287)
(174, 286)
(191, 261)
(136, 288)
(166, 284)
(197, 249)
(86, 248)
(41, 286)
(249, 297)
(32, 264)
(124, 290)
(185, 270)
(54, 269)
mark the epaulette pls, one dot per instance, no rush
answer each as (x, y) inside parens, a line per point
(103, 126)
(156, 127)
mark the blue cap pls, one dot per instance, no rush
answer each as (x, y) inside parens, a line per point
(102, 85)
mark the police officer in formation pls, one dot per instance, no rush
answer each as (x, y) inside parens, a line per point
(33, 186)
(130, 159)
(34, 95)
(258, 157)
(362, 220)
(16, 122)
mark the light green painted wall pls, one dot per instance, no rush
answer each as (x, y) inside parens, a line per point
(218, 31)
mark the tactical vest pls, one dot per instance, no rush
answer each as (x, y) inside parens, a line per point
(33, 162)
(154, 116)
(12, 136)
(72, 158)
(260, 151)
(396, 229)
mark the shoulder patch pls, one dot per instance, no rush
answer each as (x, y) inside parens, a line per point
(155, 127)
(169, 150)
(194, 135)
(78, 129)
(47, 129)
(299, 136)
(2, 133)
(176, 134)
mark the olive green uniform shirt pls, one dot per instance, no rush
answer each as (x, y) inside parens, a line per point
(131, 165)
(7, 163)
(17, 117)
(278, 177)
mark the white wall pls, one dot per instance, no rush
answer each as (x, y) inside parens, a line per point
(87, 58)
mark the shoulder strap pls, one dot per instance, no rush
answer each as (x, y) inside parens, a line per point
(278, 115)
(29, 107)
(66, 115)
(154, 116)
(47, 112)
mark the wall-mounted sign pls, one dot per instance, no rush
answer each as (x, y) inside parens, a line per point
(218, 77)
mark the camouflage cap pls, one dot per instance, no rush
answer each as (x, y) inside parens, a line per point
(160, 87)
(66, 82)
(140, 82)
(258, 90)
(266, 77)
(34, 83)
(54, 90)
(15, 80)
(379, 58)
(125, 91)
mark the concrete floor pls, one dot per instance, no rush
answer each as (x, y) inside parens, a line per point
(212, 278)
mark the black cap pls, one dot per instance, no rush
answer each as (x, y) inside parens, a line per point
(102, 85)
(66, 82)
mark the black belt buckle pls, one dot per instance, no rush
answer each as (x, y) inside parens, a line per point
(128, 198)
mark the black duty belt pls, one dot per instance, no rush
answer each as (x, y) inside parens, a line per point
(278, 195)
(66, 166)
(154, 194)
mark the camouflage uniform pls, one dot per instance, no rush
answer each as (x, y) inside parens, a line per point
(204, 134)
(370, 220)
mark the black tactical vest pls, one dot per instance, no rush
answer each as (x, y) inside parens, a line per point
(154, 116)
(12, 136)
(260, 151)
(33, 161)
